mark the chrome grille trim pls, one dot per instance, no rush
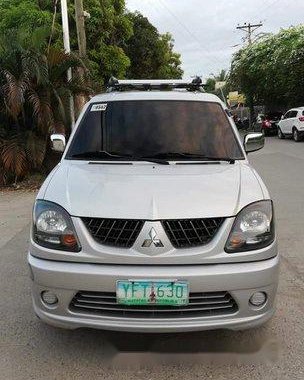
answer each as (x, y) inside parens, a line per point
(200, 305)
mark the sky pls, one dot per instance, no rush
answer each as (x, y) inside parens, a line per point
(205, 31)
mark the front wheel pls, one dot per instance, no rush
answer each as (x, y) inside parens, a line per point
(280, 134)
(295, 135)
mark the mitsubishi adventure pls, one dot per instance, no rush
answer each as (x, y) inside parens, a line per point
(154, 220)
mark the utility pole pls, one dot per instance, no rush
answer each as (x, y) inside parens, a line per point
(67, 49)
(80, 15)
(80, 25)
(249, 29)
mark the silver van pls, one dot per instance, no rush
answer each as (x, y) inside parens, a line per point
(154, 220)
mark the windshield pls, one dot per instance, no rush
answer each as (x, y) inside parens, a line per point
(150, 128)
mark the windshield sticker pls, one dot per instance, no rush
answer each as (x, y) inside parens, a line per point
(99, 107)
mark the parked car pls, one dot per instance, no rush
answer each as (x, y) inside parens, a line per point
(292, 124)
(268, 124)
(154, 220)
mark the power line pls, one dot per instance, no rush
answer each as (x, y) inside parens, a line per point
(265, 8)
(159, 13)
(191, 34)
(154, 6)
(170, 21)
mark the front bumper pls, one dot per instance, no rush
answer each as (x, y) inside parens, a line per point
(241, 280)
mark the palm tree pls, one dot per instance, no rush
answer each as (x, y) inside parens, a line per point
(222, 76)
(34, 98)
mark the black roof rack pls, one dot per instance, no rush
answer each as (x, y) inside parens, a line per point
(154, 84)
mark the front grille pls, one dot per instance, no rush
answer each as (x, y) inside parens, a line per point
(191, 232)
(200, 305)
(114, 232)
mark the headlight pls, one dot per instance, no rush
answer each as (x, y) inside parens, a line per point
(53, 227)
(253, 228)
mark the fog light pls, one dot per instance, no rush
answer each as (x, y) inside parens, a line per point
(49, 298)
(258, 299)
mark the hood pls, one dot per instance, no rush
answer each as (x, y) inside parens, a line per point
(152, 192)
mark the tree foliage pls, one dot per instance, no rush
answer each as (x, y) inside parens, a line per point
(25, 14)
(151, 54)
(34, 98)
(271, 70)
(119, 43)
(34, 90)
(107, 30)
(210, 84)
(222, 76)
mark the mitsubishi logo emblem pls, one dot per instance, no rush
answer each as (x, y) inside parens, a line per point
(153, 240)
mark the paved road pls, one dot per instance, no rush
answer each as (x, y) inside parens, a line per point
(31, 350)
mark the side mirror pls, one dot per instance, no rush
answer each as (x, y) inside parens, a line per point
(254, 142)
(282, 117)
(58, 142)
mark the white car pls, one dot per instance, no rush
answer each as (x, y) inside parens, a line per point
(154, 220)
(292, 124)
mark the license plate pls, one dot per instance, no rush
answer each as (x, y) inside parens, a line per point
(148, 292)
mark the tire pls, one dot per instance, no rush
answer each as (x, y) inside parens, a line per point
(295, 135)
(280, 134)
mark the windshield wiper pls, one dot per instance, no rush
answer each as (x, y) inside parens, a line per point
(97, 154)
(192, 156)
(102, 154)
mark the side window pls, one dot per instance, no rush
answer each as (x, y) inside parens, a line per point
(293, 114)
(287, 115)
